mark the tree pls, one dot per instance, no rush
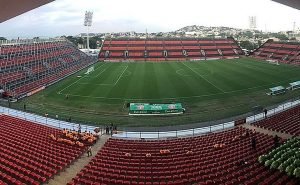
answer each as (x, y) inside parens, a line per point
(248, 34)
(259, 42)
(3, 38)
(248, 45)
(74, 40)
(280, 36)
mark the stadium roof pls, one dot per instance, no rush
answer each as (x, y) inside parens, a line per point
(291, 3)
(12, 8)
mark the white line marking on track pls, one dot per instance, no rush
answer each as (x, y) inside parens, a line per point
(203, 78)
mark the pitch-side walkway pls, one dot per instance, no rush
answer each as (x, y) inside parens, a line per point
(66, 176)
(268, 132)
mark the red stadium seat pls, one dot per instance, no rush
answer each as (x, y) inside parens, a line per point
(206, 165)
(28, 155)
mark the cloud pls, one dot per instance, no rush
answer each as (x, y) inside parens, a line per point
(65, 17)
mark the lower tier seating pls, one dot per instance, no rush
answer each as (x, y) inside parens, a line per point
(287, 122)
(28, 155)
(218, 158)
(283, 52)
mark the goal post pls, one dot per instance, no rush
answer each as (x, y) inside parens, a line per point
(91, 69)
(274, 62)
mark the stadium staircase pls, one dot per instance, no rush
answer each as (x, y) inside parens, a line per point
(287, 122)
(268, 132)
(194, 160)
(161, 49)
(66, 176)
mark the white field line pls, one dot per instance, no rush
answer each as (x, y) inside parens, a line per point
(203, 77)
(179, 97)
(182, 97)
(94, 84)
(128, 73)
(113, 84)
(252, 67)
(177, 71)
(120, 76)
(100, 73)
(59, 92)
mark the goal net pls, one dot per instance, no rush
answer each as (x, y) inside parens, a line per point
(91, 69)
(274, 62)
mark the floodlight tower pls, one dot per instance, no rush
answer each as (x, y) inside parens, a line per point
(88, 23)
(252, 22)
(294, 29)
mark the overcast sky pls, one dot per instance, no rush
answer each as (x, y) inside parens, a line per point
(65, 17)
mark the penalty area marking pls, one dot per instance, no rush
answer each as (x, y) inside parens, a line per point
(180, 97)
(128, 73)
(121, 75)
(203, 78)
(202, 74)
(60, 92)
(185, 75)
(180, 74)
(112, 84)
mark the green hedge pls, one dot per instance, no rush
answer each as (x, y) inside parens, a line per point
(285, 158)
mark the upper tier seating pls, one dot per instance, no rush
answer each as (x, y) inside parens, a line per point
(183, 161)
(185, 49)
(287, 121)
(26, 67)
(28, 155)
(284, 52)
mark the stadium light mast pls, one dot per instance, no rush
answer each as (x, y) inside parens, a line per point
(88, 23)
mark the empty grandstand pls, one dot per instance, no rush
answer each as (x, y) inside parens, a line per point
(217, 158)
(160, 49)
(228, 133)
(286, 122)
(28, 155)
(28, 66)
(283, 52)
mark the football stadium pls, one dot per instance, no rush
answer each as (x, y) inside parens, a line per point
(148, 110)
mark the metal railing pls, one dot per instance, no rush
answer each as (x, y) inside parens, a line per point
(174, 133)
(204, 130)
(31, 41)
(45, 120)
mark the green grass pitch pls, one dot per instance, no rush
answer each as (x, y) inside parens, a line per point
(209, 90)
